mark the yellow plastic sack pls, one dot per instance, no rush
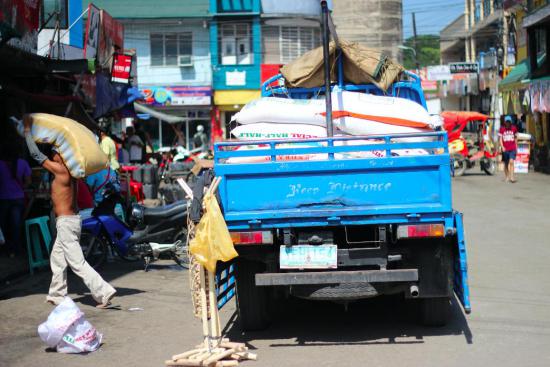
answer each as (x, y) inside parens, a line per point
(75, 143)
(212, 240)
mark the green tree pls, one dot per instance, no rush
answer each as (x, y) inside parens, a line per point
(428, 51)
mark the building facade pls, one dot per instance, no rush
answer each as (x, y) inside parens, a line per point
(236, 55)
(174, 73)
(526, 88)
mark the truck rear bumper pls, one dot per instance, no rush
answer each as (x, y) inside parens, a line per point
(335, 277)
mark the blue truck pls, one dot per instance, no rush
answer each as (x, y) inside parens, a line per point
(346, 225)
(342, 228)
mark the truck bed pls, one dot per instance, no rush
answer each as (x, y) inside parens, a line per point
(337, 185)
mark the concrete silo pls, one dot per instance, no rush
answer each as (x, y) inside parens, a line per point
(373, 23)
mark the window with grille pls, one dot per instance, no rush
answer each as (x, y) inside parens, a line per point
(296, 41)
(235, 44)
(171, 49)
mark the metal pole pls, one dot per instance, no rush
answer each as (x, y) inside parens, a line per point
(326, 58)
(160, 133)
(187, 142)
(415, 45)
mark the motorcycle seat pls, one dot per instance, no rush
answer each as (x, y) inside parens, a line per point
(165, 211)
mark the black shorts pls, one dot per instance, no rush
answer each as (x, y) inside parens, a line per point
(510, 154)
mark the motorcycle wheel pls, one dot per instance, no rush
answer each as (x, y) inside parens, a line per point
(94, 249)
(489, 166)
(181, 255)
(460, 165)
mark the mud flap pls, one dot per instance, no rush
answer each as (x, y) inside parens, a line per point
(225, 282)
(461, 287)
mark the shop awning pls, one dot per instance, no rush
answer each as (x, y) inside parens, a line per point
(159, 115)
(517, 78)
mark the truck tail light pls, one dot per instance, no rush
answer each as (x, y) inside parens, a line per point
(252, 238)
(421, 230)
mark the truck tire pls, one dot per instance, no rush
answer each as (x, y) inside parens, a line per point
(252, 301)
(435, 311)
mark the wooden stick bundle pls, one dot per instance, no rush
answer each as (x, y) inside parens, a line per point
(215, 351)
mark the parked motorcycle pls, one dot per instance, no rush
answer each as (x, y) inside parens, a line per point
(151, 233)
(466, 152)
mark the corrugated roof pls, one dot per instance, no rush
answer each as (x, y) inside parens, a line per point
(147, 9)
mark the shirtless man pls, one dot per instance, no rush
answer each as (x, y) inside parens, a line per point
(66, 250)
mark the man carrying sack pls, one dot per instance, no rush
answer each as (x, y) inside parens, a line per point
(66, 250)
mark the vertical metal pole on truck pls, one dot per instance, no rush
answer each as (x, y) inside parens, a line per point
(326, 60)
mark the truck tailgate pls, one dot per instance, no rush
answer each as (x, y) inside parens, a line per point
(337, 184)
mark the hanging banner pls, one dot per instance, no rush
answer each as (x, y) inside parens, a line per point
(22, 18)
(122, 67)
(111, 39)
(91, 38)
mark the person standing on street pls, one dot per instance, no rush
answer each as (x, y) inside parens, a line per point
(134, 144)
(15, 176)
(66, 250)
(108, 147)
(508, 145)
(200, 140)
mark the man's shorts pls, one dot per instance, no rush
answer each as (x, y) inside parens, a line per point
(510, 154)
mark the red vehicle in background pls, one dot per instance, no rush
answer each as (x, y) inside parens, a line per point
(466, 148)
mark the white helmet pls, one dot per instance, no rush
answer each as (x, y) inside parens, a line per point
(200, 128)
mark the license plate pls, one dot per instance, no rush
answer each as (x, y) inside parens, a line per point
(308, 257)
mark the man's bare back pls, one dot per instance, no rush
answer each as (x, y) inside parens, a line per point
(63, 187)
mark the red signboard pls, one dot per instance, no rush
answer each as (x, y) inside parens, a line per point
(122, 66)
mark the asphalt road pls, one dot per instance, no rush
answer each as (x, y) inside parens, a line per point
(508, 239)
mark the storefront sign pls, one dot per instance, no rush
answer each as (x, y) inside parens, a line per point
(177, 96)
(439, 72)
(463, 67)
(21, 16)
(91, 39)
(122, 66)
(111, 39)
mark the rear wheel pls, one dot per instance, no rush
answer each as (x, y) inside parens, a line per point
(94, 248)
(489, 166)
(252, 301)
(435, 311)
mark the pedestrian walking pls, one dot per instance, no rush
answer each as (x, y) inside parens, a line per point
(508, 145)
(108, 147)
(66, 250)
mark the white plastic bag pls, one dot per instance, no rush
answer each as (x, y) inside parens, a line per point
(68, 331)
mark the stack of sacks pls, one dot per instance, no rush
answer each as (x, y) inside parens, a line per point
(355, 114)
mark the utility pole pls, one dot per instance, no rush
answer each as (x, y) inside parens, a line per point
(414, 44)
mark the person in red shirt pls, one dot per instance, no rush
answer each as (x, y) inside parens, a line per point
(508, 145)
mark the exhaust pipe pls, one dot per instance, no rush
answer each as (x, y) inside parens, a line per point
(414, 291)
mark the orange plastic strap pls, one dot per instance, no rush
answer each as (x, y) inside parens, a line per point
(383, 119)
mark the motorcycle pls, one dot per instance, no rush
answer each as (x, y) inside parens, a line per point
(151, 233)
(466, 152)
